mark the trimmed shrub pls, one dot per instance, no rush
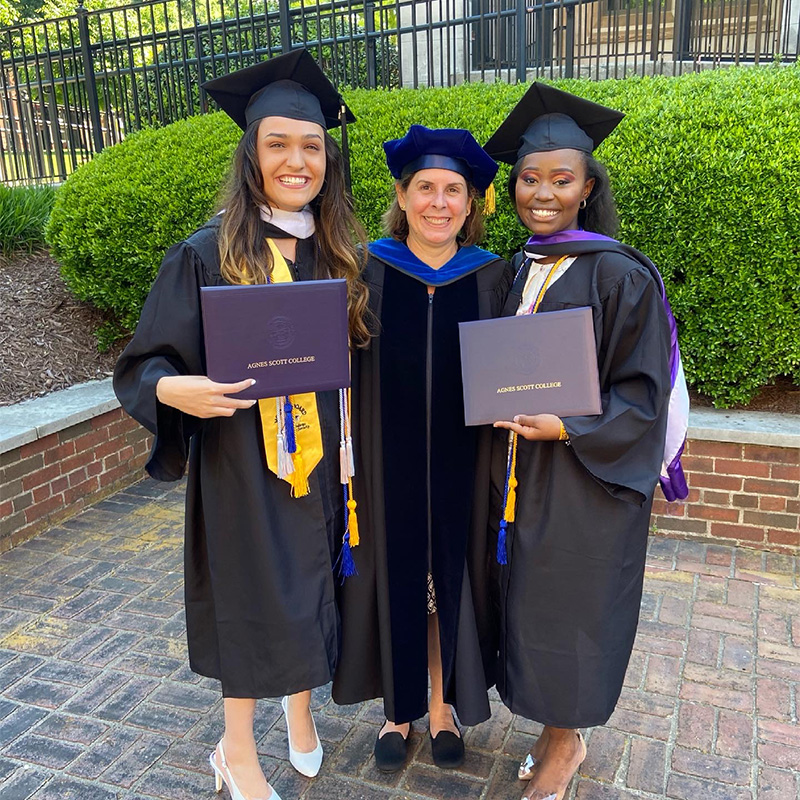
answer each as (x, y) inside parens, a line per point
(23, 215)
(116, 216)
(704, 169)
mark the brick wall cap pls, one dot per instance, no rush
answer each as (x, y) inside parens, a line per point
(34, 419)
(745, 427)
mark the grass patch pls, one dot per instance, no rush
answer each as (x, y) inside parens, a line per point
(24, 211)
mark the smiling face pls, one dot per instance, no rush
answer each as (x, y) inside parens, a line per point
(291, 157)
(436, 202)
(549, 190)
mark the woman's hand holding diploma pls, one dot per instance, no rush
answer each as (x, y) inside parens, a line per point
(201, 397)
(539, 427)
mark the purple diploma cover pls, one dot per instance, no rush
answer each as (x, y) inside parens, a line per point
(534, 364)
(290, 337)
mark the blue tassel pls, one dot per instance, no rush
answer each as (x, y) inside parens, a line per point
(288, 424)
(347, 566)
(345, 562)
(502, 555)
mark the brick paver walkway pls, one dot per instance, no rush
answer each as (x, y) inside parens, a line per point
(98, 701)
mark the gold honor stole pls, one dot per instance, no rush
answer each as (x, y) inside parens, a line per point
(290, 425)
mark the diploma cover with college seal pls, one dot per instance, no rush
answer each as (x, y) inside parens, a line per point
(543, 363)
(290, 337)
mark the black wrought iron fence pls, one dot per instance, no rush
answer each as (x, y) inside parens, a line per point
(71, 86)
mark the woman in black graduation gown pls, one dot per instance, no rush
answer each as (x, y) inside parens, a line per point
(568, 598)
(418, 604)
(260, 599)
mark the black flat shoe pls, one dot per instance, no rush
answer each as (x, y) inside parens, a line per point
(448, 750)
(391, 751)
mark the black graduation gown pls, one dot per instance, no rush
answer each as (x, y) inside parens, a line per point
(408, 524)
(260, 598)
(568, 600)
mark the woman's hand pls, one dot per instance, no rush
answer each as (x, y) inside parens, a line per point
(200, 396)
(536, 428)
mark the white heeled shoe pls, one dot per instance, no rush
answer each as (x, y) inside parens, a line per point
(307, 764)
(223, 775)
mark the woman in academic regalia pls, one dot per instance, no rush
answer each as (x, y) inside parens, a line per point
(572, 547)
(259, 554)
(418, 604)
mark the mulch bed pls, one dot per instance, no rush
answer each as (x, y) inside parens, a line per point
(47, 339)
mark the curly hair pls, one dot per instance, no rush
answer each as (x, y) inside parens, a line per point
(244, 254)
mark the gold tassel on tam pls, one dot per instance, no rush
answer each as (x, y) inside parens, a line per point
(489, 200)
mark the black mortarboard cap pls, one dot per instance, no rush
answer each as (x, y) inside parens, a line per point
(444, 148)
(547, 118)
(291, 85)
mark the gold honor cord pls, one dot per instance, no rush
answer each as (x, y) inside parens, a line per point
(293, 467)
(510, 490)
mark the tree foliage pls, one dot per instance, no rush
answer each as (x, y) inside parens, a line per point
(704, 169)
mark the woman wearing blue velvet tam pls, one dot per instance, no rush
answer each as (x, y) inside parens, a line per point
(419, 603)
(571, 499)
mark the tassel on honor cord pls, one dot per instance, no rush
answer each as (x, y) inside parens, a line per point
(347, 565)
(300, 487)
(510, 490)
(509, 498)
(285, 464)
(294, 468)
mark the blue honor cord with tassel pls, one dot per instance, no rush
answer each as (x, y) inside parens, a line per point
(346, 563)
(510, 488)
(509, 499)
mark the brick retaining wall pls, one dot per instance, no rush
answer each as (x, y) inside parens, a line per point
(743, 470)
(45, 481)
(745, 494)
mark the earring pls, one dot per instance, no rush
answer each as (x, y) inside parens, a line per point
(402, 208)
(582, 203)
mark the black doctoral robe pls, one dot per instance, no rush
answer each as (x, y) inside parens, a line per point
(260, 599)
(418, 467)
(568, 600)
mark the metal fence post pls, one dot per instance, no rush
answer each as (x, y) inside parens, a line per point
(569, 66)
(683, 23)
(88, 77)
(286, 25)
(522, 8)
(372, 60)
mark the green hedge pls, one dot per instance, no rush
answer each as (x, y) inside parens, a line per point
(116, 216)
(23, 215)
(705, 170)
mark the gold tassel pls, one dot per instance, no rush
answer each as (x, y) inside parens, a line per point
(299, 479)
(352, 517)
(489, 200)
(511, 501)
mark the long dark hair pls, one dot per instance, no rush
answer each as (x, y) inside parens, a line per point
(600, 214)
(244, 254)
